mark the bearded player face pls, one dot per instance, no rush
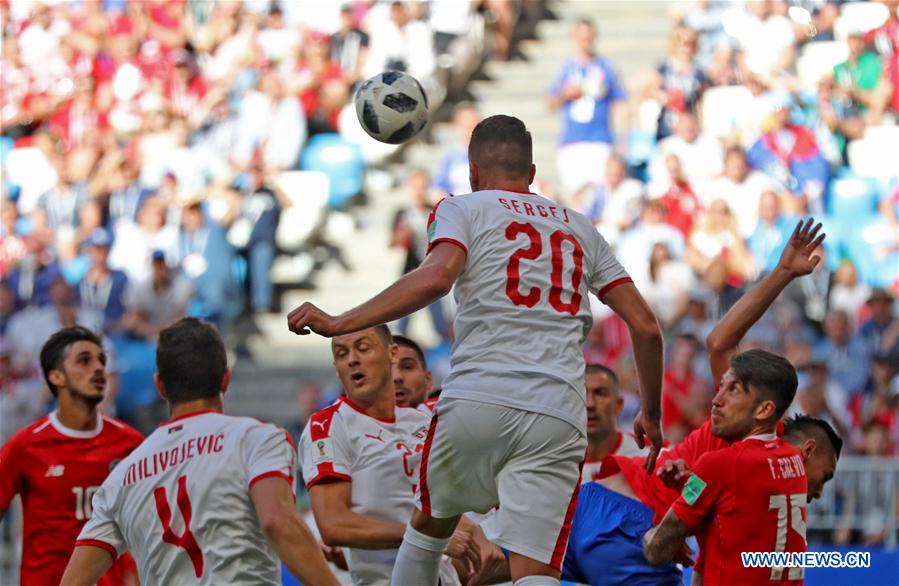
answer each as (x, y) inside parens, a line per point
(82, 373)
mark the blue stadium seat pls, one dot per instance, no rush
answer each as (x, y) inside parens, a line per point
(869, 243)
(851, 198)
(341, 161)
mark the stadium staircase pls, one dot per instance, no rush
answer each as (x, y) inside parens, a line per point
(632, 34)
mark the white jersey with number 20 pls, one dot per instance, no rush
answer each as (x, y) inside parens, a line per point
(523, 299)
(180, 502)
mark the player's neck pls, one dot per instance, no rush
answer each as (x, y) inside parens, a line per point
(504, 184)
(76, 414)
(190, 407)
(380, 407)
(762, 429)
(597, 450)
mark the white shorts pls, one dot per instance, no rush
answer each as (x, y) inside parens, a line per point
(582, 163)
(478, 456)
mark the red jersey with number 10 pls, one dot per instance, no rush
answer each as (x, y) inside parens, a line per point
(56, 471)
(749, 497)
(523, 300)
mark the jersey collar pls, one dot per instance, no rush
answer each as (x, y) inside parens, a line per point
(186, 415)
(349, 402)
(763, 437)
(75, 433)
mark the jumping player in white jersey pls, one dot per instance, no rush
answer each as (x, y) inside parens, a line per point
(206, 498)
(509, 428)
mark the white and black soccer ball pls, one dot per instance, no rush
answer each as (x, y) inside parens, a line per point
(392, 107)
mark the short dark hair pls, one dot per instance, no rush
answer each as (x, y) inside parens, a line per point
(771, 374)
(191, 360)
(806, 427)
(602, 369)
(384, 332)
(54, 351)
(503, 143)
(413, 345)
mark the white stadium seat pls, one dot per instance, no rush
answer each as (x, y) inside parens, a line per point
(818, 59)
(859, 16)
(722, 108)
(877, 154)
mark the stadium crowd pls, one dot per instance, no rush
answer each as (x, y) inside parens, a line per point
(142, 145)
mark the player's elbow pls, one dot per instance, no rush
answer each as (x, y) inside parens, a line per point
(715, 343)
(439, 281)
(330, 534)
(276, 523)
(645, 328)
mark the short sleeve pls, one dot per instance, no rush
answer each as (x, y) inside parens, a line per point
(269, 451)
(449, 223)
(703, 491)
(10, 473)
(607, 271)
(324, 451)
(698, 443)
(101, 529)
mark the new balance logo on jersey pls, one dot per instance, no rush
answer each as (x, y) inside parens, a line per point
(55, 471)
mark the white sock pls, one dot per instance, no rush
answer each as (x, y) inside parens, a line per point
(418, 561)
(537, 580)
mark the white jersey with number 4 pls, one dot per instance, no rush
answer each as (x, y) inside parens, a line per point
(523, 300)
(180, 502)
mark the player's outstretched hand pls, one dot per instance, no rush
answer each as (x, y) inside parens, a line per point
(308, 318)
(464, 547)
(797, 255)
(648, 430)
(492, 559)
(674, 473)
(335, 556)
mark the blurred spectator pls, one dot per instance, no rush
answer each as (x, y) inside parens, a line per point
(608, 341)
(705, 18)
(156, 302)
(885, 40)
(126, 196)
(716, 238)
(847, 293)
(772, 231)
(846, 355)
(678, 82)
(819, 395)
(722, 292)
(668, 288)
(272, 121)
(135, 241)
(58, 209)
(615, 203)
(789, 154)
(833, 118)
(102, 289)
(34, 274)
(882, 319)
(635, 246)
(874, 404)
(591, 98)
(859, 76)
(410, 232)
(740, 187)
(402, 42)
(207, 259)
(7, 306)
(349, 47)
(308, 400)
(686, 398)
(278, 43)
(253, 234)
(700, 154)
(452, 172)
(766, 37)
(681, 203)
(695, 318)
(322, 88)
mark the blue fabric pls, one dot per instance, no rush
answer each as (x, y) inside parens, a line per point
(767, 242)
(606, 542)
(597, 129)
(452, 174)
(802, 170)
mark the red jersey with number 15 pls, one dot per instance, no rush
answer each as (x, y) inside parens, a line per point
(56, 470)
(523, 300)
(749, 497)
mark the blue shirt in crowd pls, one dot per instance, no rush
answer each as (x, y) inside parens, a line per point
(587, 119)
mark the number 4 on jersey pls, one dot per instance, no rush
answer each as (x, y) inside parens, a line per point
(186, 540)
(557, 258)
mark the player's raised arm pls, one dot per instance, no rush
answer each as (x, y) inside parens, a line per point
(292, 540)
(413, 291)
(796, 260)
(646, 336)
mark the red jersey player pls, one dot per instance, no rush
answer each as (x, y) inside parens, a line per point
(57, 463)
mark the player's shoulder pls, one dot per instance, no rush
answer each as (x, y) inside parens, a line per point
(322, 422)
(121, 430)
(414, 415)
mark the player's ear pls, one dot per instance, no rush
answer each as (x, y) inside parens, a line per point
(532, 173)
(57, 378)
(160, 386)
(392, 351)
(226, 380)
(807, 448)
(429, 382)
(619, 405)
(473, 175)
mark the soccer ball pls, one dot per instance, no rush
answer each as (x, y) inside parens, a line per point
(392, 107)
